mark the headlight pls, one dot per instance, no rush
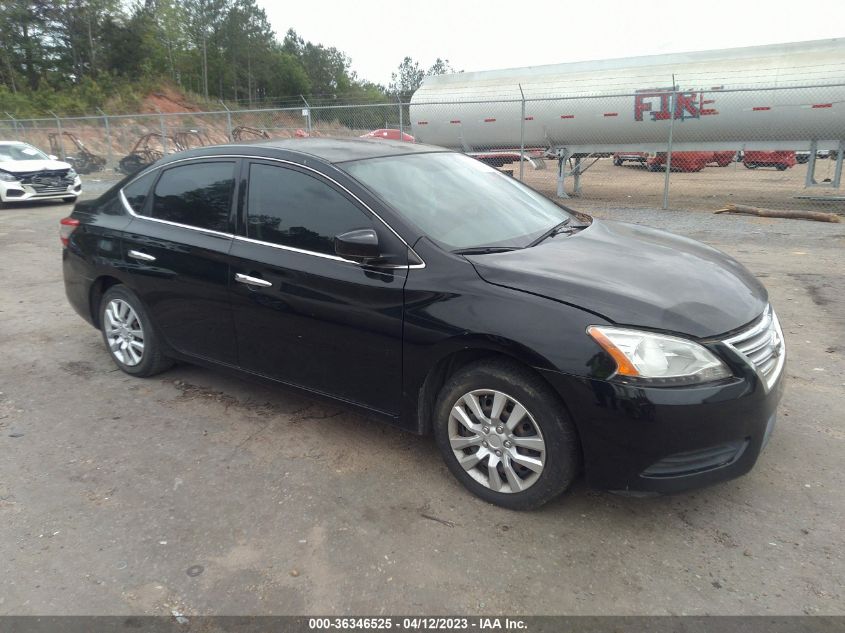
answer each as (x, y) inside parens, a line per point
(71, 173)
(658, 359)
(7, 177)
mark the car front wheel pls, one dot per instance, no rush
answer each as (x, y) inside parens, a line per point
(505, 435)
(129, 334)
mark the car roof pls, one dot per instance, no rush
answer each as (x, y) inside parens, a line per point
(329, 150)
(338, 150)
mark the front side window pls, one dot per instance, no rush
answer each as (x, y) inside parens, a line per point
(290, 208)
(458, 201)
(198, 194)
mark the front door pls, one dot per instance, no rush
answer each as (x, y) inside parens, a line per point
(303, 315)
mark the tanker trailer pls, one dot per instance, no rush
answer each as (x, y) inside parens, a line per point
(787, 97)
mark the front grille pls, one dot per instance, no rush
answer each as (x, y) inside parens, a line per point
(46, 189)
(762, 346)
(43, 182)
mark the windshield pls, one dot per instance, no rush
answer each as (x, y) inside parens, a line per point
(21, 152)
(458, 201)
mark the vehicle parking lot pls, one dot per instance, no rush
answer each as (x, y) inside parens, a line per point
(197, 492)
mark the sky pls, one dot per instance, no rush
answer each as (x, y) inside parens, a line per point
(491, 34)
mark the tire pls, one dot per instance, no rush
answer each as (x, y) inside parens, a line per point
(147, 361)
(618, 162)
(652, 167)
(545, 423)
(782, 167)
(751, 165)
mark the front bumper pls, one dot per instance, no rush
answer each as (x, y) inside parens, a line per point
(19, 192)
(663, 440)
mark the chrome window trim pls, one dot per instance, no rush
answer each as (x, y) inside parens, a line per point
(168, 222)
(242, 238)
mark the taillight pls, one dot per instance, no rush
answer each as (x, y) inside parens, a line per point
(67, 226)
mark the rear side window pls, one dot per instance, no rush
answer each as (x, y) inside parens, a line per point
(290, 208)
(198, 195)
(137, 191)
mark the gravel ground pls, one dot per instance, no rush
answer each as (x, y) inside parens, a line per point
(203, 493)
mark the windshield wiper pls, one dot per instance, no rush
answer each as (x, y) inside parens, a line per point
(483, 250)
(557, 228)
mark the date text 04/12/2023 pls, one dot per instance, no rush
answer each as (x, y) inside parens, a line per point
(418, 623)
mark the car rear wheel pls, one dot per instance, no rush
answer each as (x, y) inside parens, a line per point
(505, 435)
(129, 334)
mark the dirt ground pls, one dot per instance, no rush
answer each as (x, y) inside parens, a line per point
(207, 494)
(631, 185)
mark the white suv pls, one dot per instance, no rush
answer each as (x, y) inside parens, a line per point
(27, 173)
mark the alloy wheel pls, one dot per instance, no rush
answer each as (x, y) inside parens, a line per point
(124, 332)
(496, 440)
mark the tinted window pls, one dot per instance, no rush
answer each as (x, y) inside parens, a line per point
(293, 209)
(198, 195)
(136, 192)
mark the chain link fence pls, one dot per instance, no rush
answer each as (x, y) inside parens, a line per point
(772, 148)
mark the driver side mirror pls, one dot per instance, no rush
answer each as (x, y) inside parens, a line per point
(360, 245)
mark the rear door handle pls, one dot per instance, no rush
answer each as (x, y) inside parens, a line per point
(142, 256)
(252, 281)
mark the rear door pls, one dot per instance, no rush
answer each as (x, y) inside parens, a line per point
(315, 320)
(176, 249)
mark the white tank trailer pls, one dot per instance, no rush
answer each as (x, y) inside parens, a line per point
(776, 97)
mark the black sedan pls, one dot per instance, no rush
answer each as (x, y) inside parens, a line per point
(438, 294)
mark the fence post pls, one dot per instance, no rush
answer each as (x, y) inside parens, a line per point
(228, 121)
(108, 137)
(401, 119)
(14, 125)
(163, 132)
(673, 101)
(522, 138)
(61, 140)
(307, 115)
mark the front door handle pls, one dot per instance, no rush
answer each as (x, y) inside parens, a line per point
(142, 256)
(252, 281)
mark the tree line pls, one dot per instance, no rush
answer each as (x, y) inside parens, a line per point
(74, 56)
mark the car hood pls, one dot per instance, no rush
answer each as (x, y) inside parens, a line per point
(29, 166)
(634, 275)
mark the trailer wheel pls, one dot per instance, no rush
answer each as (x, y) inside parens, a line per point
(782, 166)
(618, 162)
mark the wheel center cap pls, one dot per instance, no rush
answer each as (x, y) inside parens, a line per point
(494, 440)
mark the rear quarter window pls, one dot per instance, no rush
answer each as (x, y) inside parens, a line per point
(137, 191)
